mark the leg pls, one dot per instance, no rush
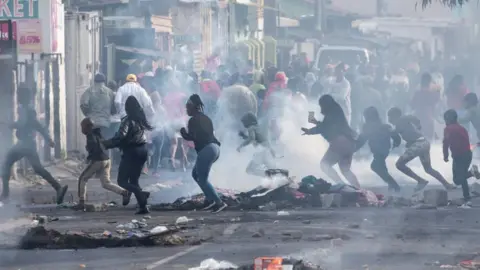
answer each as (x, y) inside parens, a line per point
(205, 159)
(379, 166)
(345, 165)
(127, 164)
(329, 159)
(173, 151)
(427, 165)
(104, 173)
(461, 173)
(87, 173)
(13, 155)
(184, 148)
(411, 152)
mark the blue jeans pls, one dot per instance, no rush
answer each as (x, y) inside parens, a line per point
(205, 159)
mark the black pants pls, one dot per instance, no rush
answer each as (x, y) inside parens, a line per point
(28, 151)
(379, 166)
(461, 173)
(131, 165)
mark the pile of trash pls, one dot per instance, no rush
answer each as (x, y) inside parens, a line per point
(41, 238)
(311, 191)
(259, 263)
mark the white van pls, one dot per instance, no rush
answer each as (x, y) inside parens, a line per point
(335, 54)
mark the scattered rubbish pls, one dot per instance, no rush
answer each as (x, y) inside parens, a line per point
(337, 242)
(283, 213)
(121, 231)
(275, 221)
(147, 217)
(212, 264)
(35, 223)
(271, 206)
(447, 266)
(259, 233)
(470, 264)
(107, 234)
(353, 226)
(320, 237)
(292, 235)
(182, 220)
(158, 229)
(307, 222)
(82, 266)
(370, 236)
(111, 222)
(424, 206)
(235, 219)
(365, 267)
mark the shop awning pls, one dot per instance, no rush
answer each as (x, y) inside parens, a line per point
(146, 52)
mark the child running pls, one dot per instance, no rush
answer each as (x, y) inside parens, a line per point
(379, 136)
(263, 159)
(99, 164)
(408, 127)
(456, 139)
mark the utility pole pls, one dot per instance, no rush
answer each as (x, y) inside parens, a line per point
(319, 15)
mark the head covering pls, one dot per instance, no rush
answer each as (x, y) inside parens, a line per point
(280, 76)
(99, 78)
(131, 78)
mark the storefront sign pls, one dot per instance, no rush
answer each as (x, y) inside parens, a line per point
(29, 36)
(18, 9)
(4, 30)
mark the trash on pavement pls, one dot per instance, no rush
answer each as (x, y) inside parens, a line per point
(283, 213)
(182, 220)
(107, 234)
(470, 264)
(212, 264)
(158, 229)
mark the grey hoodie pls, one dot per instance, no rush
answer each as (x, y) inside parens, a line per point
(97, 103)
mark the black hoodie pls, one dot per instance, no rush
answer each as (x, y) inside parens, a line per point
(95, 148)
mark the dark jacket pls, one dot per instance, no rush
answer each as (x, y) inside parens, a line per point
(379, 137)
(27, 125)
(95, 148)
(130, 134)
(200, 131)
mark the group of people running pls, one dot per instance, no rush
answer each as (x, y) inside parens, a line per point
(138, 118)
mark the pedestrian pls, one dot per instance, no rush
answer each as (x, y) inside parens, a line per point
(341, 90)
(131, 140)
(472, 113)
(423, 104)
(98, 164)
(97, 103)
(26, 128)
(158, 133)
(408, 127)
(455, 138)
(133, 88)
(379, 137)
(263, 158)
(341, 138)
(200, 131)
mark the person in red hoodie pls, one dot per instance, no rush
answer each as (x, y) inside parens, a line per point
(455, 92)
(456, 139)
(280, 82)
(423, 105)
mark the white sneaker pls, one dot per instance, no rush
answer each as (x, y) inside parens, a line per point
(466, 205)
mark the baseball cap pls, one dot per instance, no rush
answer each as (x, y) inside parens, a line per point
(131, 78)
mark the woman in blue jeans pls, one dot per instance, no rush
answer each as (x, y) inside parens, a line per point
(200, 131)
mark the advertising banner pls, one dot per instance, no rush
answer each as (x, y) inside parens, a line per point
(29, 36)
(18, 9)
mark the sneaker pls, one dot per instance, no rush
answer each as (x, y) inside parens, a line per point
(466, 205)
(61, 194)
(421, 185)
(219, 208)
(126, 198)
(394, 188)
(80, 206)
(475, 172)
(450, 186)
(208, 206)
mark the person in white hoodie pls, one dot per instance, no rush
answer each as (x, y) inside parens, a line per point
(133, 88)
(340, 90)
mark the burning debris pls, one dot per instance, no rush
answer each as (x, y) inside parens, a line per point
(259, 263)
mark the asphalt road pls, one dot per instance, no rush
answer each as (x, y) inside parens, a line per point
(382, 238)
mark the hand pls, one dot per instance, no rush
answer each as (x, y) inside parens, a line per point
(445, 159)
(312, 120)
(305, 131)
(183, 131)
(51, 143)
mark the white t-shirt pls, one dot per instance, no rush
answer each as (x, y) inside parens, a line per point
(134, 89)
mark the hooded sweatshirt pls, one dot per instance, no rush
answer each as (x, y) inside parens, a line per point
(257, 82)
(96, 103)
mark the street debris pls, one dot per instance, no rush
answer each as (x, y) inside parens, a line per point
(435, 197)
(212, 264)
(41, 238)
(283, 213)
(292, 235)
(182, 220)
(158, 229)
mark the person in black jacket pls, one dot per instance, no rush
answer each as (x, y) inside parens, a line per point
(200, 131)
(26, 128)
(98, 163)
(379, 136)
(131, 140)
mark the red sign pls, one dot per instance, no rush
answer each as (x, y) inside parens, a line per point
(4, 30)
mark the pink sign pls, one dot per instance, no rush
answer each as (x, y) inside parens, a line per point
(29, 38)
